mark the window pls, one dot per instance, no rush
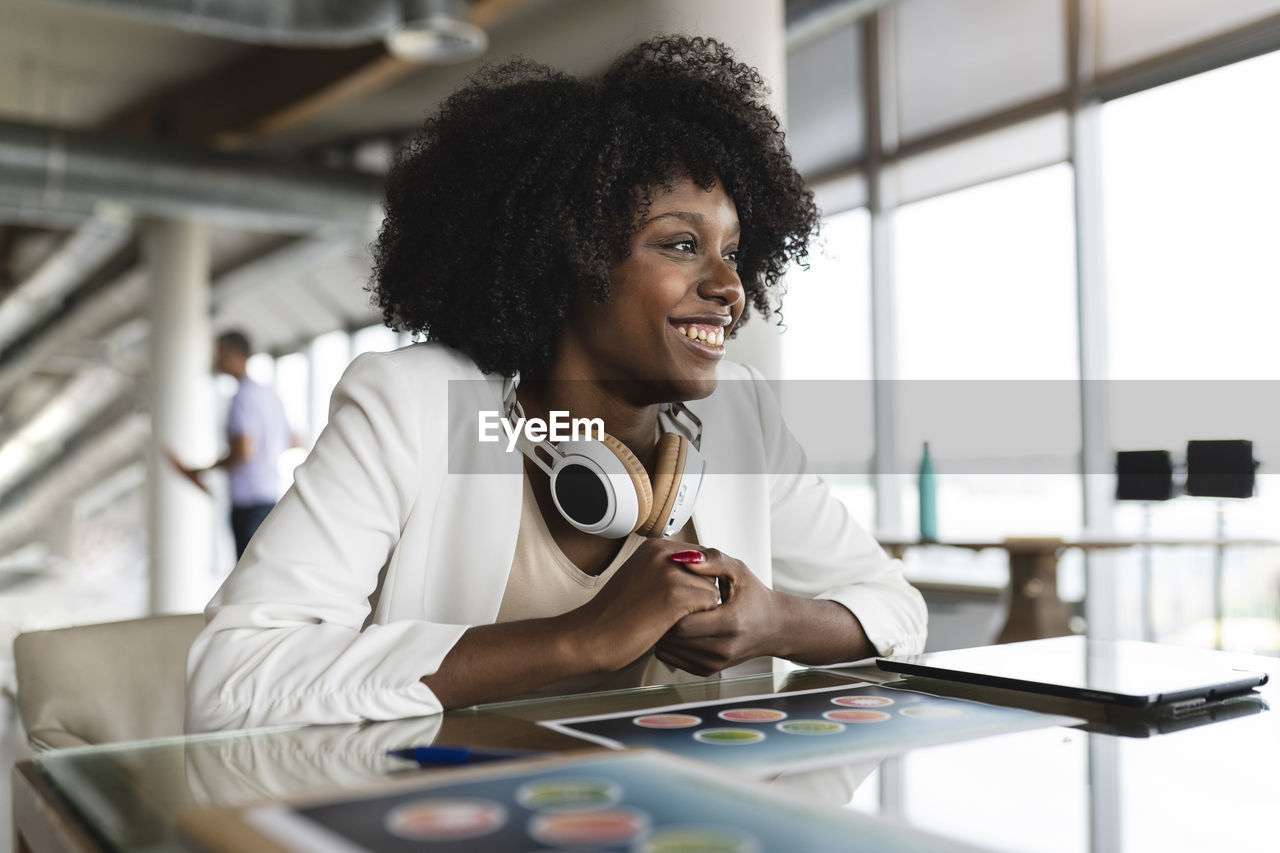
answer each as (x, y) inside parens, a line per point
(329, 355)
(986, 332)
(827, 123)
(1191, 214)
(827, 308)
(826, 350)
(1192, 210)
(292, 372)
(986, 281)
(960, 61)
(261, 368)
(374, 339)
(1133, 30)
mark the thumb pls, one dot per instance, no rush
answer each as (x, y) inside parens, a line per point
(695, 562)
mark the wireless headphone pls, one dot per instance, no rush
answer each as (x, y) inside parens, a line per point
(600, 487)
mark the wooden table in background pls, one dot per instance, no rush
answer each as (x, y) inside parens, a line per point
(1035, 610)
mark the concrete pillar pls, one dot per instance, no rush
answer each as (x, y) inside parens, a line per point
(180, 516)
(756, 30)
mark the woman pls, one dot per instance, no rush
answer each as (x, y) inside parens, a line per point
(600, 239)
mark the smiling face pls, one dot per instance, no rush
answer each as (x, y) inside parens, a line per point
(673, 301)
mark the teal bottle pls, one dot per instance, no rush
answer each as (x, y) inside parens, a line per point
(927, 486)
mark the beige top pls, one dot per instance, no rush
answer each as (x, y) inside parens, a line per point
(544, 582)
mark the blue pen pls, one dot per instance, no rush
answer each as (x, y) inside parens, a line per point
(439, 755)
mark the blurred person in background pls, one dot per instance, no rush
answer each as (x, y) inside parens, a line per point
(257, 433)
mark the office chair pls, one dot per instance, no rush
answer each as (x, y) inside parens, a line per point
(112, 681)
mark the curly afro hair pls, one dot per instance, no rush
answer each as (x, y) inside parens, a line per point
(527, 185)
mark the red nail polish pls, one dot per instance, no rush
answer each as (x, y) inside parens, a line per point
(688, 557)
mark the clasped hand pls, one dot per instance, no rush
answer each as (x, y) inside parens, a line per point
(676, 609)
(744, 626)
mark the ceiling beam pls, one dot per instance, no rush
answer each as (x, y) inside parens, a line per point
(49, 167)
(265, 90)
(268, 90)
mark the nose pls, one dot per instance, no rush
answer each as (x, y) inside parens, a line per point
(720, 283)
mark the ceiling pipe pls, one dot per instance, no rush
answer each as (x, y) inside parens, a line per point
(121, 444)
(75, 333)
(86, 397)
(76, 405)
(19, 209)
(72, 336)
(423, 31)
(299, 23)
(275, 266)
(95, 242)
(71, 170)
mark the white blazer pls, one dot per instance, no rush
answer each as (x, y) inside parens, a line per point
(390, 545)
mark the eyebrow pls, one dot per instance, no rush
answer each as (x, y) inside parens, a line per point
(685, 216)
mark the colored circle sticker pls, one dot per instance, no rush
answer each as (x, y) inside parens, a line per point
(667, 721)
(810, 727)
(753, 715)
(930, 712)
(599, 828)
(862, 701)
(446, 819)
(698, 839)
(729, 737)
(558, 795)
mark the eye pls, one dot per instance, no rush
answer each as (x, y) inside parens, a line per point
(732, 258)
(686, 245)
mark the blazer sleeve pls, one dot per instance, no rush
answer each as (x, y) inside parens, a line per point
(284, 640)
(819, 551)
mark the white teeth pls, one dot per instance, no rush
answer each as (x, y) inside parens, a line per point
(712, 338)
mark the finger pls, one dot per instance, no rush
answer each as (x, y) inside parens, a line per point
(697, 660)
(703, 624)
(701, 586)
(689, 658)
(704, 569)
(670, 659)
(701, 598)
(686, 662)
(712, 585)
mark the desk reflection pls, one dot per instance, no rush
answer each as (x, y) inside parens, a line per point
(283, 763)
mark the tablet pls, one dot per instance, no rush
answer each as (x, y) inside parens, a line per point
(1119, 672)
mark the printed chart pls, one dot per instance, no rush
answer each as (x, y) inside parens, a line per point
(829, 726)
(639, 802)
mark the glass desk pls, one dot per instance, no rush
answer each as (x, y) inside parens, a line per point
(1117, 783)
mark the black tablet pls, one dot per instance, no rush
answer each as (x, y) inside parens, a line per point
(1119, 672)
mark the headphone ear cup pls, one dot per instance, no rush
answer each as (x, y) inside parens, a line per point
(672, 451)
(639, 478)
